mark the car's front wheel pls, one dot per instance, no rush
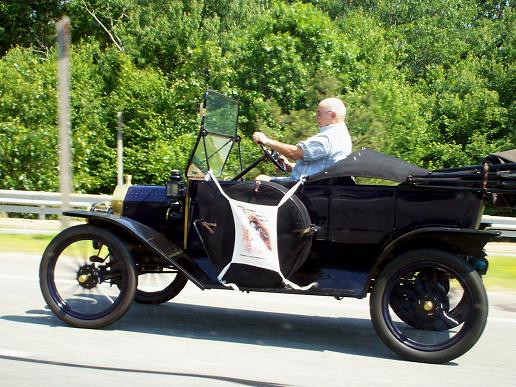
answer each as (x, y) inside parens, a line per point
(429, 305)
(87, 277)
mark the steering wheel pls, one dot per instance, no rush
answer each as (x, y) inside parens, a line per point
(273, 157)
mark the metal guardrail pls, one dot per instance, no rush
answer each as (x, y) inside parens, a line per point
(44, 203)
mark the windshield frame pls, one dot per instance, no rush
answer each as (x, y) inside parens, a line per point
(211, 141)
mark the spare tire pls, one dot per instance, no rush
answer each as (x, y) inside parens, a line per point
(293, 225)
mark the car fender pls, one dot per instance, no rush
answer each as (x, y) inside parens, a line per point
(463, 241)
(147, 236)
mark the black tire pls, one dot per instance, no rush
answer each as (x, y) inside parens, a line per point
(87, 277)
(451, 334)
(164, 295)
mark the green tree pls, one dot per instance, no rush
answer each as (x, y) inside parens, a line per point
(28, 131)
(28, 23)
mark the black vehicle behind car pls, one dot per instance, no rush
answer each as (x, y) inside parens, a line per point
(416, 248)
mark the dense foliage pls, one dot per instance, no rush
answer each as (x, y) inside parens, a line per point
(431, 82)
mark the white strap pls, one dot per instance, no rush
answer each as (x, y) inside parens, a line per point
(291, 191)
(297, 287)
(223, 272)
(210, 174)
(285, 281)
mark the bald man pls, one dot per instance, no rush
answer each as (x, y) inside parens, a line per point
(331, 144)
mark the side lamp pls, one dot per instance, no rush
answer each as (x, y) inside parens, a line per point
(176, 188)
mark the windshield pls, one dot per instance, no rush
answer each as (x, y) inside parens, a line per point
(218, 132)
(221, 114)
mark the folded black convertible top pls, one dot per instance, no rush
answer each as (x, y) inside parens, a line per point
(496, 175)
(369, 163)
(504, 157)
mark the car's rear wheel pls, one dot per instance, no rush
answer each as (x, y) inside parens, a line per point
(87, 277)
(429, 305)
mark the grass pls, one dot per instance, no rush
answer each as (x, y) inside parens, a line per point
(24, 243)
(501, 273)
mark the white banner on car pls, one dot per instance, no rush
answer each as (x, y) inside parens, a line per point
(256, 241)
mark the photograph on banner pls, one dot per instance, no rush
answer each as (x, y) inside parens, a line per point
(256, 240)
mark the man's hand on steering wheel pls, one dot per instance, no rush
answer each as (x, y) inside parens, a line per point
(273, 156)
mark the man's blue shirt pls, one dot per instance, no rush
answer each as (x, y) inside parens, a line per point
(331, 144)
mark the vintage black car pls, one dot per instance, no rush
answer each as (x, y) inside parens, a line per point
(414, 247)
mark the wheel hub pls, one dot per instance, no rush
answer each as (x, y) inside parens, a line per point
(431, 301)
(428, 306)
(88, 276)
(422, 304)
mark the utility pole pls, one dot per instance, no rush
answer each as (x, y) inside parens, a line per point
(63, 108)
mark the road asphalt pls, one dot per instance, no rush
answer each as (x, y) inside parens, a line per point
(228, 338)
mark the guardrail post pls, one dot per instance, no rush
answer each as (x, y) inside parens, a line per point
(41, 215)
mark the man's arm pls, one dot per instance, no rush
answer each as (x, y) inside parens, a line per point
(293, 152)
